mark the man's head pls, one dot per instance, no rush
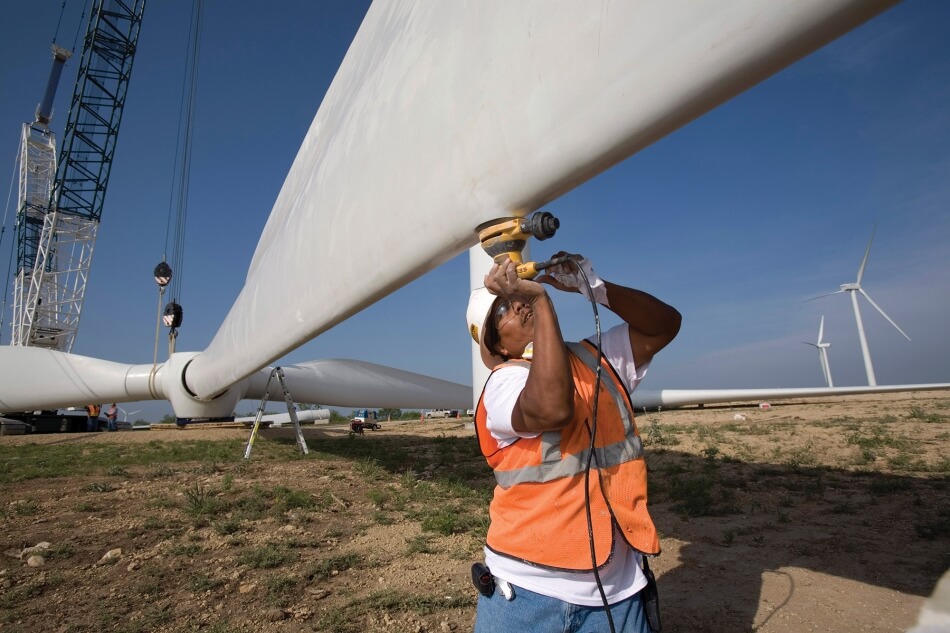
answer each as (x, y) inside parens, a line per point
(501, 327)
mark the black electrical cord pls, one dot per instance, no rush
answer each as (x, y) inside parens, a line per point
(590, 453)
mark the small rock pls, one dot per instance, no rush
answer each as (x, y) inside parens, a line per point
(39, 548)
(274, 614)
(132, 566)
(111, 556)
(302, 613)
(247, 587)
(35, 561)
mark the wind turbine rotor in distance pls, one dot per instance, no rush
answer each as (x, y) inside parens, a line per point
(822, 348)
(854, 289)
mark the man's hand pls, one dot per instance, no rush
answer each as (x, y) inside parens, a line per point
(503, 280)
(568, 277)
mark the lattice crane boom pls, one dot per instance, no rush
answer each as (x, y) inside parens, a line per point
(55, 239)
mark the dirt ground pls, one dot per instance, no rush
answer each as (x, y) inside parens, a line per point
(816, 515)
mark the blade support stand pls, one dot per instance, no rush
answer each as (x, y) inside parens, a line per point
(291, 409)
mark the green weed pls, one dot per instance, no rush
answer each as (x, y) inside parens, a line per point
(280, 588)
(917, 413)
(201, 583)
(26, 507)
(266, 557)
(326, 567)
(200, 502)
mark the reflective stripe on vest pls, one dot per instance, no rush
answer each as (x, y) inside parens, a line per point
(555, 466)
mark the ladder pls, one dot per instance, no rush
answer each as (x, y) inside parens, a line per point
(291, 409)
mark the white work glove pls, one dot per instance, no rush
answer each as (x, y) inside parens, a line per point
(570, 278)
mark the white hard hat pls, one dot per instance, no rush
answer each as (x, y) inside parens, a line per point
(479, 304)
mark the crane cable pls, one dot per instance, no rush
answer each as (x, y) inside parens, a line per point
(591, 451)
(178, 197)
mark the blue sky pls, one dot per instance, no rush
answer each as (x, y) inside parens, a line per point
(735, 219)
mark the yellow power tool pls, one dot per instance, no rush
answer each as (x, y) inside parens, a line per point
(505, 238)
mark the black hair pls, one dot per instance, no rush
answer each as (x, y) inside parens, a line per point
(491, 337)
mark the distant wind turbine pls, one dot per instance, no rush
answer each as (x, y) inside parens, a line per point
(125, 415)
(822, 348)
(854, 289)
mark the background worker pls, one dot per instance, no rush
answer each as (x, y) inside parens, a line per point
(92, 417)
(533, 423)
(112, 414)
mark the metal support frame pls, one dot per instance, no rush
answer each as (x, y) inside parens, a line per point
(56, 235)
(291, 409)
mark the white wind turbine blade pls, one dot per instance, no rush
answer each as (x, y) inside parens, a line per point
(353, 383)
(822, 352)
(822, 348)
(126, 414)
(836, 292)
(37, 378)
(647, 399)
(864, 262)
(826, 365)
(821, 360)
(444, 115)
(884, 314)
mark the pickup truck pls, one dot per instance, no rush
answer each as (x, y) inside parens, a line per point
(437, 413)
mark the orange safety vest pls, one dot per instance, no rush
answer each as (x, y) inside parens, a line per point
(538, 508)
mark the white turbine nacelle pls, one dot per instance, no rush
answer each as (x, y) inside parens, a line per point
(852, 286)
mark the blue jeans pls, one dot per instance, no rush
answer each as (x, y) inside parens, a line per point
(532, 612)
(112, 424)
(92, 424)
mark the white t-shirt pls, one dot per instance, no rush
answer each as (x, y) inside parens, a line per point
(622, 576)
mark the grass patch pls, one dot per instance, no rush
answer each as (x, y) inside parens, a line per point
(335, 564)
(876, 437)
(25, 507)
(918, 413)
(266, 557)
(419, 545)
(201, 583)
(31, 461)
(659, 435)
(280, 588)
(201, 503)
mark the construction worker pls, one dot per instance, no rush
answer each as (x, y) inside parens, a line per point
(112, 413)
(534, 423)
(92, 417)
